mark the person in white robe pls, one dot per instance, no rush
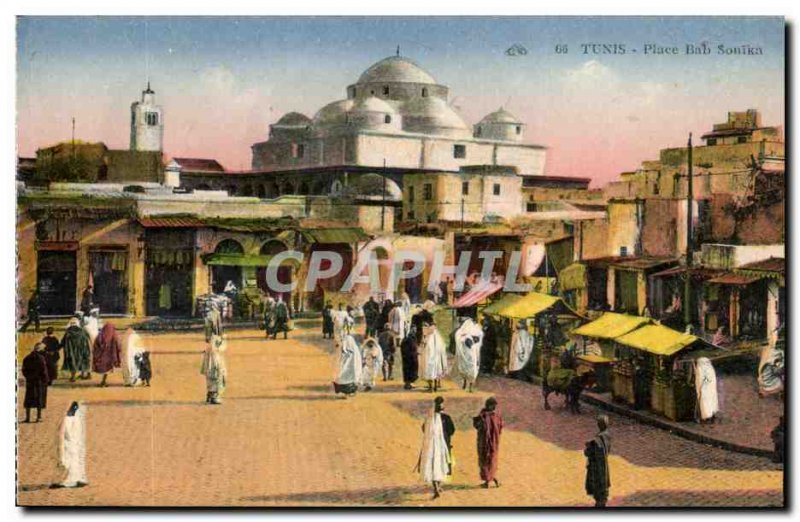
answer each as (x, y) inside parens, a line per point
(405, 304)
(706, 388)
(131, 346)
(434, 358)
(398, 323)
(343, 323)
(521, 348)
(215, 370)
(72, 447)
(91, 324)
(435, 462)
(348, 375)
(372, 357)
(469, 340)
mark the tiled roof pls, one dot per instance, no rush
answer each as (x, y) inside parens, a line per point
(199, 164)
(171, 222)
(773, 264)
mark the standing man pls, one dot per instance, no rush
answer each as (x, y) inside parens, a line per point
(281, 319)
(72, 446)
(34, 369)
(371, 313)
(212, 323)
(434, 358)
(421, 318)
(215, 370)
(87, 300)
(372, 361)
(435, 462)
(132, 349)
(387, 342)
(77, 353)
(51, 349)
(489, 424)
(397, 323)
(408, 350)
(349, 367)
(468, 340)
(327, 321)
(598, 478)
(107, 353)
(34, 306)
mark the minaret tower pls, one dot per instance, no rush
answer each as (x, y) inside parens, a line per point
(147, 124)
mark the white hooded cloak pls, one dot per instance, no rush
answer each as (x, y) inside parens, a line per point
(468, 358)
(521, 348)
(434, 458)
(72, 446)
(132, 346)
(706, 387)
(434, 356)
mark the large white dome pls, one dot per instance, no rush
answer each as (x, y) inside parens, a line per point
(432, 116)
(396, 69)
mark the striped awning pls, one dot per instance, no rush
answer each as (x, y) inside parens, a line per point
(477, 295)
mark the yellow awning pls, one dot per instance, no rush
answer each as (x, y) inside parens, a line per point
(611, 325)
(657, 339)
(529, 305)
(505, 301)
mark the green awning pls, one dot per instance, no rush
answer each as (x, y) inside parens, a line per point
(611, 325)
(334, 235)
(242, 260)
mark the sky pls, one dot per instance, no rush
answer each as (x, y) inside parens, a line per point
(223, 80)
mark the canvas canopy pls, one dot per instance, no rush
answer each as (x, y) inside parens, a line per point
(611, 325)
(506, 300)
(515, 306)
(477, 294)
(657, 339)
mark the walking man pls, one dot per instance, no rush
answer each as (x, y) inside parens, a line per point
(387, 342)
(77, 354)
(468, 340)
(281, 319)
(598, 478)
(107, 353)
(489, 424)
(371, 314)
(72, 447)
(215, 370)
(34, 369)
(410, 355)
(51, 349)
(434, 358)
(435, 462)
(372, 360)
(34, 306)
(327, 321)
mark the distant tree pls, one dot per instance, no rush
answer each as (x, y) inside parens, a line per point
(70, 168)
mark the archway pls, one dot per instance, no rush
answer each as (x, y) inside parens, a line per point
(221, 274)
(288, 188)
(270, 248)
(303, 190)
(261, 191)
(247, 191)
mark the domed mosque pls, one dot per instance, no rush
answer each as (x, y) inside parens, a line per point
(398, 116)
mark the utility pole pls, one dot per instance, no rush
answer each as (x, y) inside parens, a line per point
(462, 212)
(687, 288)
(73, 137)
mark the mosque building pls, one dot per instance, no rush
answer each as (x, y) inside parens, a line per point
(398, 116)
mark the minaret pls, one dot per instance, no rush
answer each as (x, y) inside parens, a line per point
(147, 125)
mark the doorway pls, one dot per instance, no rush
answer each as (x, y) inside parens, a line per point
(56, 276)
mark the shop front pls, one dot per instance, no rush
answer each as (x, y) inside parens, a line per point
(169, 271)
(56, 276)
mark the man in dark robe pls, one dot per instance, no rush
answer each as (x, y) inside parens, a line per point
(388, 347)
(408, 350)
(598, 478)
(419, 319)
(327, 321)
(34, 369)
(34, 305)
(489, 424)
(489, 348)
(371, 315)
(385, 310)
(281, 319)
(107, 353)
(77, 353)
(51, 350)
(87, 300)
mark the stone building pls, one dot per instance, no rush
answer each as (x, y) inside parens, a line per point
(147, 123)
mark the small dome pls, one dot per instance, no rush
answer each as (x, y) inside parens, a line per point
(396, 69)
(429, 115)
(294, 118)
(373, 104)
(501, 116)
(333, 113)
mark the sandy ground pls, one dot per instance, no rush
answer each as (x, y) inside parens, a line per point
(282, 439)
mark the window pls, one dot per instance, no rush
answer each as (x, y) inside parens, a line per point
(428, 191)
(353, 92)
(151, 118)
(459, 151)
(741, 139)
(410, 194)
(298, 150)
(410, 214)
(478, 131)
(711, 141)
(623, 251)
(386, 90)
(387, 119)
(424, 92)
(465, 188)
(519, 129)
(496, 189)
(530, 207)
